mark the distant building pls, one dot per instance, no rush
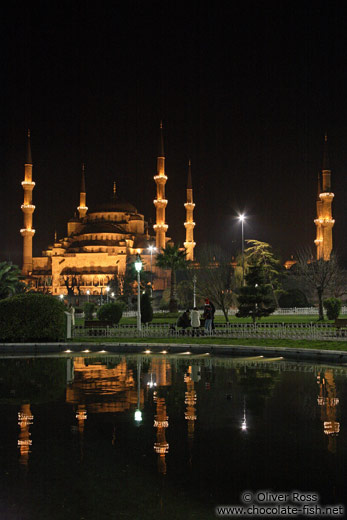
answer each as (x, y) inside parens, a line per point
(100, 241)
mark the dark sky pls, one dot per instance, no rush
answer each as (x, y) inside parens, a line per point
(245, 90)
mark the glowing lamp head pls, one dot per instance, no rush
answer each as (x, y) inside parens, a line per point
(61, 296)
(138, 416)
(242, 218)
(107, 289)
(138, 264)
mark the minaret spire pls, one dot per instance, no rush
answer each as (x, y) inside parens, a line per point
(82, 208)
(160, 202)
(28, 209)
(324, 221)
(189, 244)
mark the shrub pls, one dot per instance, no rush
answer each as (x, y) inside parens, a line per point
(89, 309)
(111, 312)
(146, 309)
(293, 298)
(332, 307)
(32, 317)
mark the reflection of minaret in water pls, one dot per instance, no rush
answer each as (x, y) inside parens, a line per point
(25, 419)
(328, 401)
(190, 401)
(161, 422)
(81, 416)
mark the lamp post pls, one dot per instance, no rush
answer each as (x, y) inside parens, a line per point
(151, 249)
(138, 267)
(194, 291)
(242, 219)
(88, 293)
(107, 291)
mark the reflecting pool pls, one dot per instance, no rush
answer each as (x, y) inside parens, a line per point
(96, 437)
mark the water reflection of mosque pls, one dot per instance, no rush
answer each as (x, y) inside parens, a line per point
(109, 386)
(328, 402)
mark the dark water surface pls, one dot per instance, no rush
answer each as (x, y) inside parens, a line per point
(142, 437)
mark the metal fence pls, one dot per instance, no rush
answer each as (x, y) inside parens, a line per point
(317, 331)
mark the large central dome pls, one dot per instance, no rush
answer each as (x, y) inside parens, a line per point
(114, 206)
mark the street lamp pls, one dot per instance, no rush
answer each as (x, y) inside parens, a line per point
(107, 291)
(194, 291)
(88, 293)
(242, 219)
(151, 249)
(138, 267)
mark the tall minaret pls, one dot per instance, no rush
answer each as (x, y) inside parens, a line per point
(82, 208)
(324, 221)
(160, 203)
(28, 209)
(189, 244)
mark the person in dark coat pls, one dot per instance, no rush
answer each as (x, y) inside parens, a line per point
(184, 321)
(207, 316)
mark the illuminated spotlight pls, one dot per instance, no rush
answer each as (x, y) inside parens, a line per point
(67, 351)
(164, 352)
(244, 425)
(86, 350)
(102, 351)
(148, 351)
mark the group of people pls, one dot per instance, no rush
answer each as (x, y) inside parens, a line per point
(194, 320)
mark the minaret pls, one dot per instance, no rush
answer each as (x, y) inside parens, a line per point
(160, 203)
(324, 221)
(189, 244)
(28, 209)
(82, 208)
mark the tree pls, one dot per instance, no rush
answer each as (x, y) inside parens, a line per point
(255, 298)
(10, 280)
(320, 275)
(172, 258)
(214, 277)
(260, 253)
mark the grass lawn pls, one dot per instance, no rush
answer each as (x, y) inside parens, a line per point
(322, 345)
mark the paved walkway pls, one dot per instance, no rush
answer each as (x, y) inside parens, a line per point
(40, 349)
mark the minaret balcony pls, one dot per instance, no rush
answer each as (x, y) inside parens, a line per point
(28, 184)
(189, 224)
(327, 196)
(161, 179)
(325, 222)
(83, 208)
(189, 205)
(27, 232)
(160, 227)
(189, 244)
(28, 208)
(160, 203)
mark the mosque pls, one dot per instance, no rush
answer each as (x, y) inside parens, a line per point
(101, 241)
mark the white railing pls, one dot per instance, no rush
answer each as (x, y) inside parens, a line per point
(318, 331)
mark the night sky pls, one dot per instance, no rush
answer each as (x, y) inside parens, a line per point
(245, 90)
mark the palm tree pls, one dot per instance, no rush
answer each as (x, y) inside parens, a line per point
(172, 258)
(10, 283)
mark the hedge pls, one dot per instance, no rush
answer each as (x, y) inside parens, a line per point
(32, 317)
